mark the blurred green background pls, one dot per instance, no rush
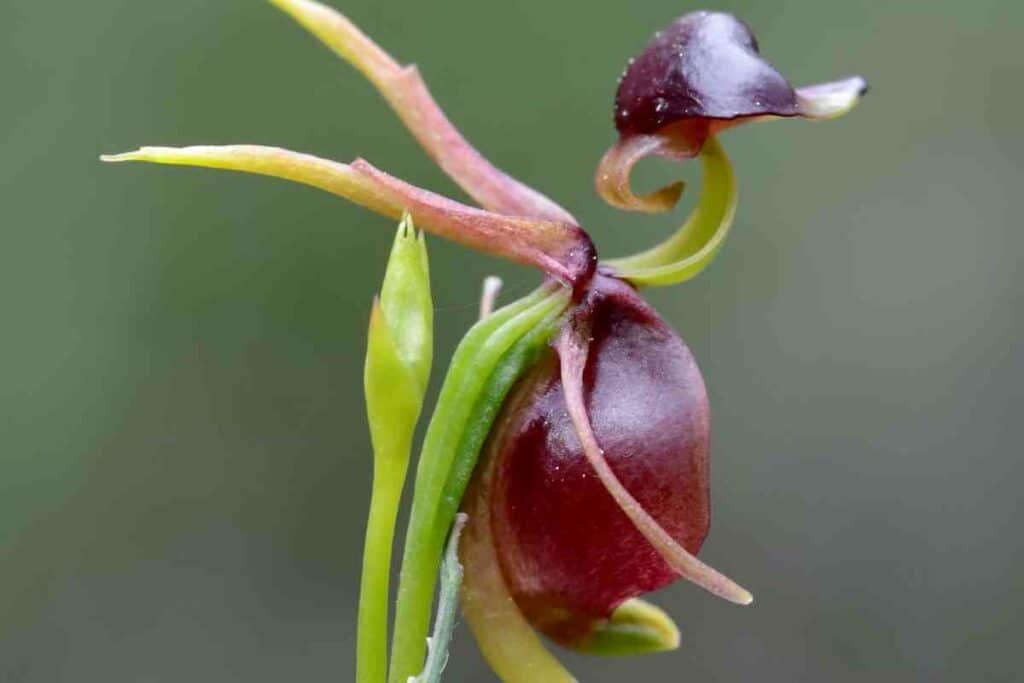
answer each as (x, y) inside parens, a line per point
(184, 465)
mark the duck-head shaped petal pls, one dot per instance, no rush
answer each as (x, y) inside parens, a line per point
(700, 75)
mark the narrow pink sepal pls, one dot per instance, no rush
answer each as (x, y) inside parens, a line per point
(407, 93)
(562, 250)
(572, 350)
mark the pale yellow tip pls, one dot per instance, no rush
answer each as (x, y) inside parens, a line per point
(123, 156)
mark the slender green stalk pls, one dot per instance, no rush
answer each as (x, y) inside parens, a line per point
(447, 606)
(372, 645)
(398, 359)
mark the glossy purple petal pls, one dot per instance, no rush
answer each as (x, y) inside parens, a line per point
(704, 65)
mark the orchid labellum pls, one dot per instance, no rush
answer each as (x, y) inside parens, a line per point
(573, 425)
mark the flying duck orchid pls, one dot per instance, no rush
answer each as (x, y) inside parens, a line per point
(572, 427)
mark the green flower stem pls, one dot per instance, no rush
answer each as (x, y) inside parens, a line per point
(447, 606)
(398, 359)
(372, 644)
(456, 433)
(691, 248)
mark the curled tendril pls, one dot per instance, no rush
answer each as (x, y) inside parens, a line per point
(694, 245)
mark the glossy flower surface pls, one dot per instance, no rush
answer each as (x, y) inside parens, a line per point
(568, 551)
(703, 65)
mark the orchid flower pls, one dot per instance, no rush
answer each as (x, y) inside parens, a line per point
(573, 425)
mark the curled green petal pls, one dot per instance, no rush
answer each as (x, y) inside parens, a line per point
(636, 627)
(687, 252)
(398, 359)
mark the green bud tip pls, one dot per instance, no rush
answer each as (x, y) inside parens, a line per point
(405, 301)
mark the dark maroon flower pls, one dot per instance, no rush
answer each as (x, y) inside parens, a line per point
(568, 551)
(595, 489)
(593, 483)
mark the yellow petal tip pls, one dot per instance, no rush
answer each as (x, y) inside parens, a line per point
(636, 627)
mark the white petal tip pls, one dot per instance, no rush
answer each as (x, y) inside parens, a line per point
(831, 100)
(124, 156)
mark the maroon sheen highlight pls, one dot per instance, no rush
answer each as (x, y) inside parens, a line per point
(704, 65)
(569, 553)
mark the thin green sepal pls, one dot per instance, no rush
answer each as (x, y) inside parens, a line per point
(472, 366)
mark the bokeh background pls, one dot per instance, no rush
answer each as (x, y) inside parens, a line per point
(184, 465)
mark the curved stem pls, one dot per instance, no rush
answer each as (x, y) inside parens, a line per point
(562, 250)
(691, 248)
(405, 91)
(612, 178)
